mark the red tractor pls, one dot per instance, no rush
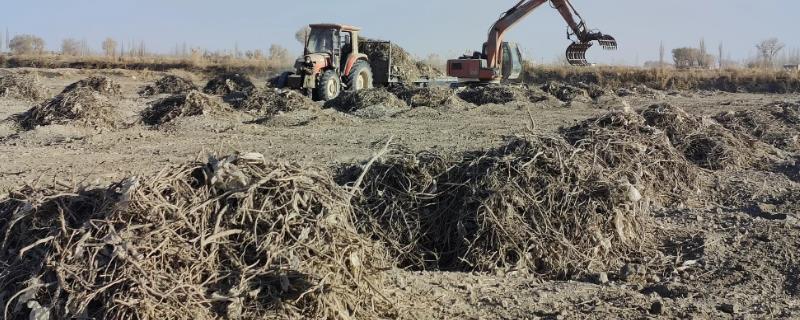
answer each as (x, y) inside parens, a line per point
(331, 62)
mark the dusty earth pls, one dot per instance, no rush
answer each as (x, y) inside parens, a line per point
(739, 259)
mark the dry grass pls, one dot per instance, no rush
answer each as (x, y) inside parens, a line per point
(731, 80)
(153, 63)
(234, 238)
(501, 94)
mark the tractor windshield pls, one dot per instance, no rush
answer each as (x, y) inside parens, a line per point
(320, 40)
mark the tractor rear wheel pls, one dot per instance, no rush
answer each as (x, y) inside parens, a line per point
(328, 87)
(360, 76)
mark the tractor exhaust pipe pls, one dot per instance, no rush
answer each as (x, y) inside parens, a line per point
(576, 52)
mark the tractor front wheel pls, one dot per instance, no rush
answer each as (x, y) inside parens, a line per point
(329, 86)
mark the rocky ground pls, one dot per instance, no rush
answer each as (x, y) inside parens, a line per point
(737, 259)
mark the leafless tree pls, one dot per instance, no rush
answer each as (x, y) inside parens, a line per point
(661, 54)
(768, 49)
(110, 47)
(26, 44)
(278, 53)
(70, 47)
(302, 34)
(721, 56)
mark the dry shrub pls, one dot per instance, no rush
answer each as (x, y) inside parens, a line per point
(500, 94)
(229, 83)
(21, 86)
(352, 101)
(234, 238)
(270, 101)
(170, 84)
(433, 97)
(777, 124)
(81, 106)
(536, 204)
(407, 67)
(100, 84)
(194, 103)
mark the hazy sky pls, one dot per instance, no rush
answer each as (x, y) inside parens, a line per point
(446, 27)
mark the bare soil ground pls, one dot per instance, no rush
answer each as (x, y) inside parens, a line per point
(739, 259)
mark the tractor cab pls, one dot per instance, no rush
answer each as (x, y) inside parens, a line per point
(330, 62)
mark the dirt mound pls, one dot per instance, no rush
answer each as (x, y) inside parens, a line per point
(170, 84)
(536, 204)
(408, 68)
(433, 97)
(500, 94)
(194, 103)
(82, 106)
(230, 83)
(270, 101)
(234, 238)
(777, 124)
(21, 86)
(565, 92)
(351, 102)
(100, 84)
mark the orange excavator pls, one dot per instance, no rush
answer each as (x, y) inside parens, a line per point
(503, 60)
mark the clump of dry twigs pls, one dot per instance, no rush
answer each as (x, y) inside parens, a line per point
(100, 84)
(170, 84)
(194, 103)
(81, 106)
(234, 238)
(21, 86)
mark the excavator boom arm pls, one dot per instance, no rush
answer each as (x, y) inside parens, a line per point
(576, 53)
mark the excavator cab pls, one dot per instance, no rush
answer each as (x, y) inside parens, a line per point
(512, 61)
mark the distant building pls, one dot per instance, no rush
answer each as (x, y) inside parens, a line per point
(792, 67)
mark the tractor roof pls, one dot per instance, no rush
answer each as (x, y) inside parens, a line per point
(335, 26)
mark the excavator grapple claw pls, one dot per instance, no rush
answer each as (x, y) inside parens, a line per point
(576, 52)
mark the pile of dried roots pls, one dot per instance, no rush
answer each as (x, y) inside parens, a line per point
(170, 84)
(103, 85)
(703, 141)
(270, 101)
(194, 103)
(565, 92)
(556, 205)
(407, 67)
(230, 83)
(500, 94)
(21, 86)
(777, 124)
(235, 238)
(352, 101)
(432, 97)
(80, 106)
